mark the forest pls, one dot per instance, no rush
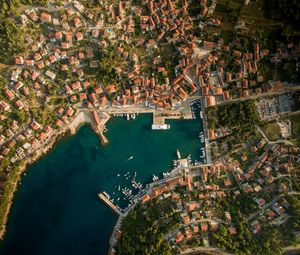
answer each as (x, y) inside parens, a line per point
(284, 10)
(143, 229)
(241, 115)
(9, 8)
(11, 40)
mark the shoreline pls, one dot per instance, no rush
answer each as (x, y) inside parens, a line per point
(71, 128)
(81, 117)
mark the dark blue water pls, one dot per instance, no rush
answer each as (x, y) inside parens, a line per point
(56, 209)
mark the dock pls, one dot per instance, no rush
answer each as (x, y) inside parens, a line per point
(104, 198)
(99, 126)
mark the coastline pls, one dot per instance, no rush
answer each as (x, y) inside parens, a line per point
(83, 117)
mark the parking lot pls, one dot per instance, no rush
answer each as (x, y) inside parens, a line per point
(272, 108)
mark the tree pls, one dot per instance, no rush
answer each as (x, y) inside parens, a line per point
(11, 40)
(108, 60)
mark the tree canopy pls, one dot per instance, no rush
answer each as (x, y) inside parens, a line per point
(240, 114)
(11, 40)
(10, 7)
(143, 229)
(108, 60)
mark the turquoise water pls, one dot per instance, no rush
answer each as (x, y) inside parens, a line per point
(56, 209)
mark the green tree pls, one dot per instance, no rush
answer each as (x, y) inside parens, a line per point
(11, 40)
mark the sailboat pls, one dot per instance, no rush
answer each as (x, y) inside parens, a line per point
(130, 158)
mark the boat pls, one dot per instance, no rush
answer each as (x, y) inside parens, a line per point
(130, 158)
(160, 126)
(118, 175)
(105, 194)
(128, 116)
(178, 154)
(119, 188)
(154, 178)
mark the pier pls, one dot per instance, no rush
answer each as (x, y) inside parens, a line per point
(99, 125)
(104, 198)
(159, 116)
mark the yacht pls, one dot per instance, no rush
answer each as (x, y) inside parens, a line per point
(130, 158)
(155, 178)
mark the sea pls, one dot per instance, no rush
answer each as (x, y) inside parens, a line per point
(56, 209)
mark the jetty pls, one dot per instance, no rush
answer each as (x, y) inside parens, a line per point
(106, 200)
(159, 115)
(99, 126)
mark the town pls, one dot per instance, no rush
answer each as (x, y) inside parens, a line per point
(84, 63)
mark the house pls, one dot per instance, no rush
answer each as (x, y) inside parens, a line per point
(50, 74)
(69, 111)
(65, 45)
(19, 60)
(9, 94)
(210, 101)
(232, 230)
(19, 104)
(145, 198)
(35, 125)
(204, 227)
(45, 17)
(179, 237)
(228, 217)
(191, 206)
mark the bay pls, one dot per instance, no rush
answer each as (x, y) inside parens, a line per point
(56, 209)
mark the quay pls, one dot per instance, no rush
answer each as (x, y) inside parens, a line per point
(159, 116)
(104, 198)
(99, 126)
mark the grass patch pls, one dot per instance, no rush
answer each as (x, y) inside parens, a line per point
(295, 127)
(272, 130)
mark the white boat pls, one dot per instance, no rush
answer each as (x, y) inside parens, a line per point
(155, 178)
(130, 158)
(118, 175)
(178, 154)
(160, 127)
(105, 194)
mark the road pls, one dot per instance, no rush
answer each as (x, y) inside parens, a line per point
(254, 215)
(209, 250)
(272, 142)
(287, 89)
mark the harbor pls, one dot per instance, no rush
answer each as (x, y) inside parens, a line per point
(79, 167)
(61, 188)
(182, 167)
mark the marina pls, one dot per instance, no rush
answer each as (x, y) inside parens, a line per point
(77, 169)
